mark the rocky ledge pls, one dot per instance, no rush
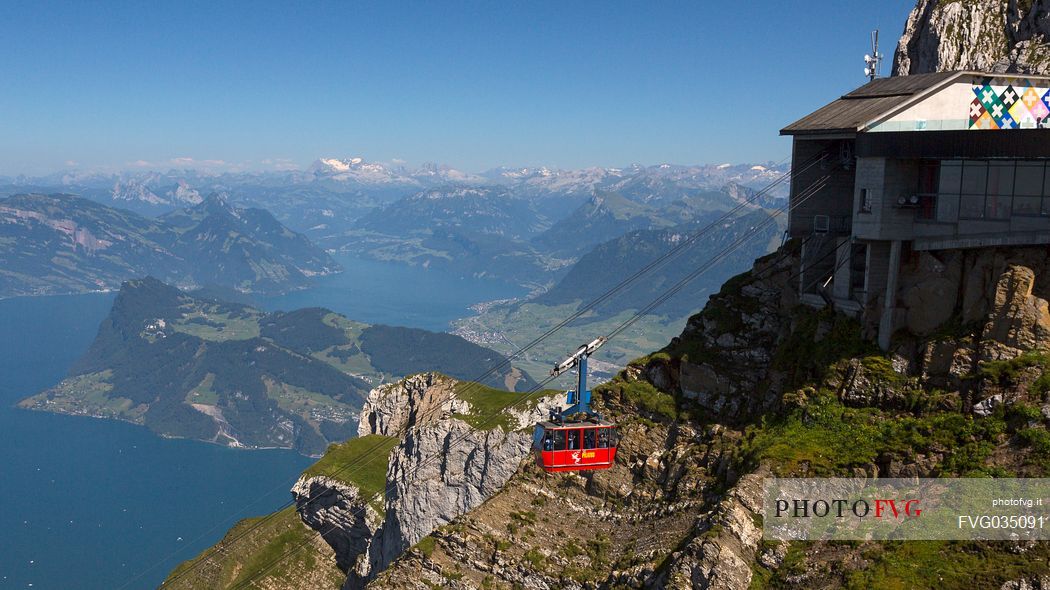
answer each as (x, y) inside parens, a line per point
(441, 466)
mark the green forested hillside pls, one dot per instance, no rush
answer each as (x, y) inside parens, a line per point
(231, 374)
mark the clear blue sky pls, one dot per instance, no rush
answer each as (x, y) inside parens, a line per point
(474, 85)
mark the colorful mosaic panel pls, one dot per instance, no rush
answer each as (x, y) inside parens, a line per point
(985, 121)
(1039, 111)
(977, 111)
(1010, 103)
(1009, 97)
(998, 112)
(987, 95)
(1020, 113)
(1030, 98)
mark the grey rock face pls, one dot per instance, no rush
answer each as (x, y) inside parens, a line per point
(740, 330)
(1028, 583)
(442, 468)
(986, 407)
(344, 519)
(393, 407)
(441, 471)
(722, 561)
(990, 35)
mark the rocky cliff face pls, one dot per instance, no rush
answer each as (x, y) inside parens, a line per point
(418, 399)
(758, 385)
(345, 520)
(439, 472)
(446, 461)
(988, 35)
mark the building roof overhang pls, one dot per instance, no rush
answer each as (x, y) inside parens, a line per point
(856, 111)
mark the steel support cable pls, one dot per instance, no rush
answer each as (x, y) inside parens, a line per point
(821, 183)
(803, 196)
(659, 261)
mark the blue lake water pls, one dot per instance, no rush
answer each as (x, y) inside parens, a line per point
(99, 504)
(385, 293)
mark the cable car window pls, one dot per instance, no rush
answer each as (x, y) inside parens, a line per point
(559, 440)
(574, 440)
(603, 438)
(588, 439)
(548, 442)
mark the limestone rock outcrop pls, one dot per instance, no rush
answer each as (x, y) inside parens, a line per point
(734, 339)
(441, 468)
(345, 521)
(720, 558)
(440, 471)
(998, 298)
(988, 35)
(418, 399)
(1018, 320)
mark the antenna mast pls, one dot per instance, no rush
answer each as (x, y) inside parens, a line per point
(873, 61)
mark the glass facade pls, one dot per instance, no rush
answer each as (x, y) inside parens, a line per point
(954, 190)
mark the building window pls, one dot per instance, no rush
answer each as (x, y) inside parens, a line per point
(865, 201)
(998, 200)
(984, 189)
(948, 191)
(974, 187)
(1028, 188)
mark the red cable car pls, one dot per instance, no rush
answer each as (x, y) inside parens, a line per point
(575, 446)
(576, 438)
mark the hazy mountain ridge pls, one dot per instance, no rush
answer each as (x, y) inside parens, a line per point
(499, 232)
(487, 210)
(504, 325)
(608, 215)
(64, 244)
(354, 182)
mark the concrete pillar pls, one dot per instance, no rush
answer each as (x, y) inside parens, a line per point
(875, 270)
(843, 266)
(887, 323)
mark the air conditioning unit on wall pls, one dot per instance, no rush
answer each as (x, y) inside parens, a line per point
(821, 224)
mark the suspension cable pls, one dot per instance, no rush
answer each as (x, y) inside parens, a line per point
(656, 263)
(818, 185)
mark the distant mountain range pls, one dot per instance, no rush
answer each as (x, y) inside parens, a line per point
(64, 244)
(228, 373)
(504, 233)
(608, 215)
(180, 187)
(524, 225)
(330, 194)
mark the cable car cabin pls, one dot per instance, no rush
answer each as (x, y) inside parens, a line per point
(574, 446)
